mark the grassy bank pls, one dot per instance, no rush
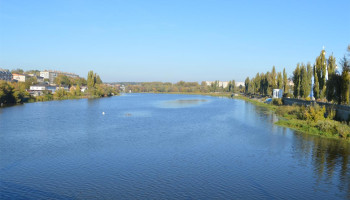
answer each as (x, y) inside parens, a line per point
(308, 120)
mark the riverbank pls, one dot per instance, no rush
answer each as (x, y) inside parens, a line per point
(309, 121)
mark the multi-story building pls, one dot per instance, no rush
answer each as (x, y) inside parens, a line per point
(239, 84)
(19, 77)
(5, 75)
(222, 84)
(38, 89)
(51, 75)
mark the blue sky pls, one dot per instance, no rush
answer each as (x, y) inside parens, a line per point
(170, 40)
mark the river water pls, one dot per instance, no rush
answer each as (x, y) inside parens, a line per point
(163, 146)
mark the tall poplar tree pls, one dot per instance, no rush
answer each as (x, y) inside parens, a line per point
(304, 82)
(246, 85)
(279, 80)
(345, 76)
(257, 83)
(321, 67)
(296, 81)
(316, 85)
(273, 78)
(285, 81)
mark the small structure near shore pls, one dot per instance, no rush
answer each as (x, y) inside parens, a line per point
(277, 93)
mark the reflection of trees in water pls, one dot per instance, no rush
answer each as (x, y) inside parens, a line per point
(328, 156)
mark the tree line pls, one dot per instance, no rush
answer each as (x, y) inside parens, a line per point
(183, 87)
(329, 84)
(264, 83)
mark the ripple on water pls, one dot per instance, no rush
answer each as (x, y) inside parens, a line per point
(181, 103)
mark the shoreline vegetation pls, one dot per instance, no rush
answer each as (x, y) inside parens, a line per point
(309, 120)
(13, 93)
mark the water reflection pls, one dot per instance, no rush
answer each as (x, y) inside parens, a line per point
(182, 103)
(330, 158)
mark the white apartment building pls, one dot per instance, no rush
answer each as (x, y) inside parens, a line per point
(239, 84)
(222, 84)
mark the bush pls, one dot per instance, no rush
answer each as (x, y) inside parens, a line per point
(327, 126)
(308, 99)
(287, 110)
(331, 113)
(343, 130)
(312, 113)
(277, 102)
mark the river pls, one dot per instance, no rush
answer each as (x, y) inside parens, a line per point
(163, 146)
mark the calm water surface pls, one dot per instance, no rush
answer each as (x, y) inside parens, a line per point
(161, 146)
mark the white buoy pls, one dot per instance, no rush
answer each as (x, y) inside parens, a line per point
(103, 113)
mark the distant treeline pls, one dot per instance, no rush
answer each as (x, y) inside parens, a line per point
(183, 87)
(16, 92)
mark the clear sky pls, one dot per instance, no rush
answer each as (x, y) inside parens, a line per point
(170, 40)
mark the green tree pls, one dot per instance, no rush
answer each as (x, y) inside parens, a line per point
(233, 85)
(6, 93)
(17, 71)
(62, 79)
(345, 93)
(31, 80)
(246, 85)
(332, 84)
(91, 82)
(285, 81)
(296, 81)
(257, 83)
(316, 88)
(321, 67)
(304, 82)
(78, 90)
(98, 79)
(20, 92)
(273, 82)
(279, 80)
(331, 64)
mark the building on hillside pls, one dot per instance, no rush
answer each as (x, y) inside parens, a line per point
(19, 77)
(5, 75)
(51, 75)
(38, 78)
(37, 90)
